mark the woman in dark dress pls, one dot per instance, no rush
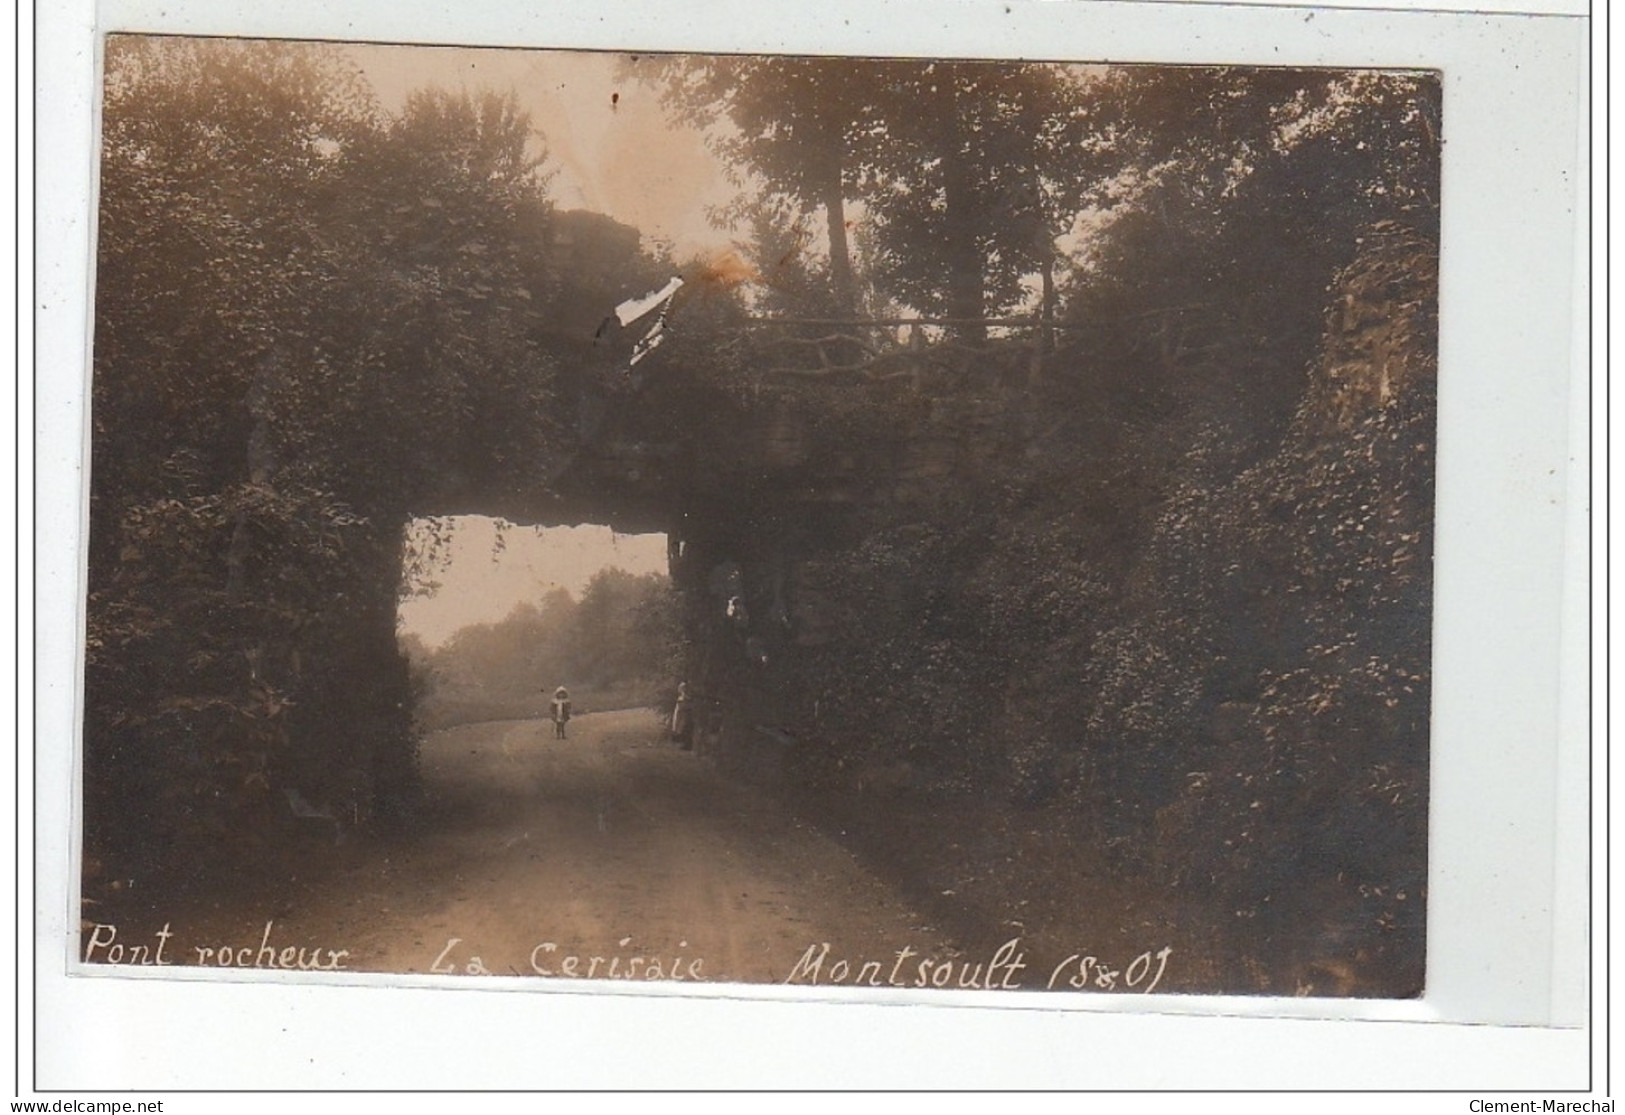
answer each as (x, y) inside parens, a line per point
(682, 718)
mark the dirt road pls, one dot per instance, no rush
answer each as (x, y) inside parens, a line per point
(607, 855)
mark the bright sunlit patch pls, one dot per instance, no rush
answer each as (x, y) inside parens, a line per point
(482, 568)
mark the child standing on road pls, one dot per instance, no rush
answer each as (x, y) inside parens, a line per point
(561, 711)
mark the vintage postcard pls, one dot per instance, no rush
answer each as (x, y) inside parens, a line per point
(869, 524)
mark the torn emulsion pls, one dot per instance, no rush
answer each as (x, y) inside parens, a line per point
(635, 308)
(720, 272)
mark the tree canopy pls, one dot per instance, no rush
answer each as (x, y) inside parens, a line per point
(969, 180)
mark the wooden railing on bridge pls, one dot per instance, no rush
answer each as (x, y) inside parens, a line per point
(871, 350)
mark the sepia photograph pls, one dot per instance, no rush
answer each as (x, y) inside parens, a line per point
(860, 523)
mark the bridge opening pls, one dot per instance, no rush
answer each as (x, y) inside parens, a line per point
(495, 616)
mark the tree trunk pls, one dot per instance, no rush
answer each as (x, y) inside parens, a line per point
(842, 284)
(1044, 342)
(966, 293)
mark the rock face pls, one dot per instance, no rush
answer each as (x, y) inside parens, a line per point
(1289, 609)
(1381, 332)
